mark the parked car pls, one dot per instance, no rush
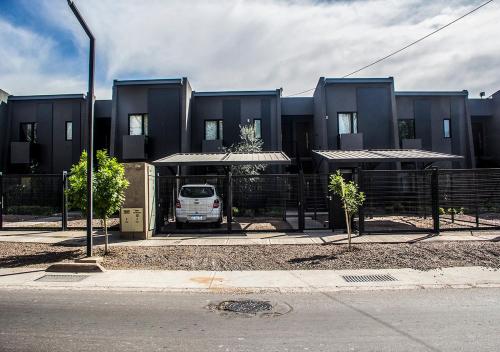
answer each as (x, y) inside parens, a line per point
(198, 203)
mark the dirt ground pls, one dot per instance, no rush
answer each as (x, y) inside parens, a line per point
(421, 256)
(384, 223)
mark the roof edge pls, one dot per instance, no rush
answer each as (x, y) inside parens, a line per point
(46, 97)
(359, 80)
(132, 82)
(431, 93)
(234, 93)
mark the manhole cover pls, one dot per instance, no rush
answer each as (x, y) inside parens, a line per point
(368, 278)
(62, 278)
(249, 308)
(246, 306)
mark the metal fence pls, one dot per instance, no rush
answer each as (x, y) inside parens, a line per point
(396, 201)
(429, 200)
(32, 201)
(268, 202)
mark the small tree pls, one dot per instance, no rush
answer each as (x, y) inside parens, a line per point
(350, 196)
(109, 186)
(248, 143)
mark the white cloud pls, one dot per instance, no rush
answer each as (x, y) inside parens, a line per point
(269, 44)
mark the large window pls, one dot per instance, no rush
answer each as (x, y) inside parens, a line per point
(138, 124)
(348, 122)
(69, 130)
(257, 125)
(213, 130)
(28, 132)
(406, 129)
(447, 128)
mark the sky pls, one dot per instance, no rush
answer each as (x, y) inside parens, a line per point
(244, 45)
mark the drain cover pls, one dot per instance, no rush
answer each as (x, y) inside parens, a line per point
(62, 278)
(368, 278)
(246, 306)
(249, 308)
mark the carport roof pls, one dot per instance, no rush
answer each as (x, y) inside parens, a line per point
(223, 159)
(383, 155)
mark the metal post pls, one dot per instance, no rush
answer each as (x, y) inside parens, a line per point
(229, 197)
(1, 201)
(361, 211)
(159, 210)
(476, 197)
(435, 199)
(301, 205)
(64, 212)
(90, 125)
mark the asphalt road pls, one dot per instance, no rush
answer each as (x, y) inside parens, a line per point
(400, 320)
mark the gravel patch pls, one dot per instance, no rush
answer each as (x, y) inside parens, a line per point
(421, 256)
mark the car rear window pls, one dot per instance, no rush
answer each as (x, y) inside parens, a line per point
(197, 192)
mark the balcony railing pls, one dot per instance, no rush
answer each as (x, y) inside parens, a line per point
(23, 152)
(134, 147)
(212, 146)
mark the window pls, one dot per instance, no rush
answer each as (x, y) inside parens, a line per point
(138, 124)
(28, 132)
(69, 130)
(406, 129)
(447, 128)
(213, 130)
(197, 192)
(257, 125)
(348, 122)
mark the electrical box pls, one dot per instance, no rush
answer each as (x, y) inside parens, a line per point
(132, 220)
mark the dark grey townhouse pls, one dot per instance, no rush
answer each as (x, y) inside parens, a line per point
(485, 121)
(3, 126)
(437, 121)
(149, 119)
(43, 133)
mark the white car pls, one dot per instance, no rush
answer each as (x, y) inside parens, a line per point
(198, 204)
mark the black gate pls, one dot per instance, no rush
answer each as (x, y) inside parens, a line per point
(268, 202)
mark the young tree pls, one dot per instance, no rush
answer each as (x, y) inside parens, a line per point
(109, 186)
(248, 143)
(350, 196)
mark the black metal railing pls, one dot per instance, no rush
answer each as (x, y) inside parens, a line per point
(429, 200)
(33, 201)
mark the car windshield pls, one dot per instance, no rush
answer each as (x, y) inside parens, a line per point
(197, 192)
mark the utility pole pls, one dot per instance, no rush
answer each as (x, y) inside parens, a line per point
(90, 124)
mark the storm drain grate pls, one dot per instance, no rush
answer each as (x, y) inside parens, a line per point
(62, 278)
(369, 278)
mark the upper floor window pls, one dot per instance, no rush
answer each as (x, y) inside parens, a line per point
(257, 125)
(69, 130)
(406, 129)
(447, 128)
(28, 132)
(138, 124)
(213, 130)
(348, 122)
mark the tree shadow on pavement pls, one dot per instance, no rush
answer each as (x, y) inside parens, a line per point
(42, 257)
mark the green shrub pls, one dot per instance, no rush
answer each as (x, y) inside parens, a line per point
(236, 211)
(442, 211)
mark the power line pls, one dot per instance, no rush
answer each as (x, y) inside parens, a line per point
(406, 46)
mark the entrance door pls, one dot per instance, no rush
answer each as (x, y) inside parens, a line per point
(477, 136)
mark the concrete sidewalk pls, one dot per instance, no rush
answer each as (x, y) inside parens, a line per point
(307, 281)
(250, 238)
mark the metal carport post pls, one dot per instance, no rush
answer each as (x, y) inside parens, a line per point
(373, 156)
(226, 160)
